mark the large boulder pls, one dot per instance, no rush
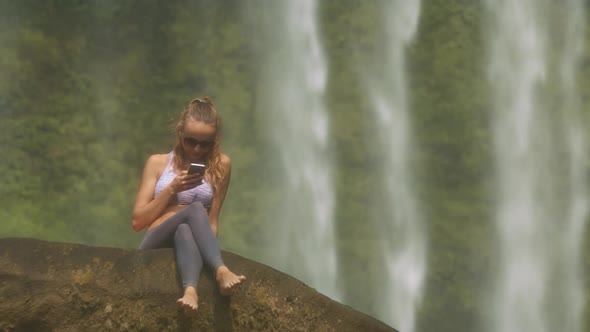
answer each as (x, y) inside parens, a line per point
(50, 286)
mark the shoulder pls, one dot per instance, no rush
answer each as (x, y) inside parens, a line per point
(225, 161)
(156, 162)
(158, 159)
(225, 164)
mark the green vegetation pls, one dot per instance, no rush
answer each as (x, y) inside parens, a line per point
(89, 89)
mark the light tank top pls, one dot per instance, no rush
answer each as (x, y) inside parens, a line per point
(202, 193)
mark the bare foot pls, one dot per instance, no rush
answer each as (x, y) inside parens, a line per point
(227, 280)
(189, 302)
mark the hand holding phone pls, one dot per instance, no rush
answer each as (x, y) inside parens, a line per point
(196, 168)
(189, 178)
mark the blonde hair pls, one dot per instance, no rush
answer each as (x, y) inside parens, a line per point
(201, 109)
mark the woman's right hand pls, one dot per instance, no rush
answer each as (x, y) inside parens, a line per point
(185, 181)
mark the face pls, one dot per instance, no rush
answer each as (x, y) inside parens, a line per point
(197, 140)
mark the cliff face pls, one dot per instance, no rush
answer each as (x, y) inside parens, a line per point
(69, 287)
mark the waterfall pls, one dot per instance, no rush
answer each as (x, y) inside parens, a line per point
(540, 156)
(571, 305)
(403, 239)
(293, 107)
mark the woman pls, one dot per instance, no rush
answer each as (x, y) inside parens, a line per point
(181, 210)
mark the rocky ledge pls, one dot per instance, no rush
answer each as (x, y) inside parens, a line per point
(50, 286)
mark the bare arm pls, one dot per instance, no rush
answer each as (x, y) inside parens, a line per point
(146, 208)
(220, 194)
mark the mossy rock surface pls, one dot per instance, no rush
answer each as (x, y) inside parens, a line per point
(50, 286)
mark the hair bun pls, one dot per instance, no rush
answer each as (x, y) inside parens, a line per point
(203, 100)
(207, 100)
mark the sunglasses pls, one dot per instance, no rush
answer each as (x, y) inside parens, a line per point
(194, 142)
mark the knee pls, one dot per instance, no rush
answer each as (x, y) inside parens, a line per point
(183, 231)
(196, 209)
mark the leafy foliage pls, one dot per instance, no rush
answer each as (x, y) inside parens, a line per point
(90, 89)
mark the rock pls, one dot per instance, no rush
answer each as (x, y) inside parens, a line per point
(50, 286)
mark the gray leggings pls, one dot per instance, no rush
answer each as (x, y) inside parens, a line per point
(189, 232)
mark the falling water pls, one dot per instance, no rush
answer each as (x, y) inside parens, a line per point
(296, 74)
(403, 241)
(540, 152)
(571, 305)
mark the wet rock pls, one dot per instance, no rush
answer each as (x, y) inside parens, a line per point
(50, 286)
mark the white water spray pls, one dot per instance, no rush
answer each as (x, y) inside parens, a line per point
(538, 287)
(296, 115)
(571, 305)
(404, 243)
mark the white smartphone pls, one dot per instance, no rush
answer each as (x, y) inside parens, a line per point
(196, 168)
